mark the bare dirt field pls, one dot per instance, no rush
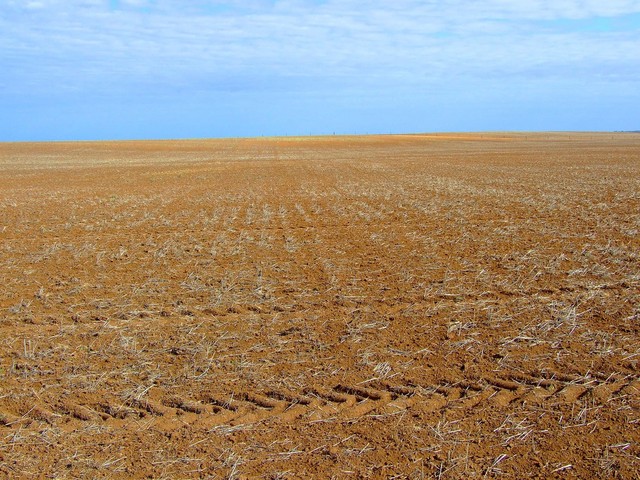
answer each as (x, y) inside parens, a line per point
(408, 306)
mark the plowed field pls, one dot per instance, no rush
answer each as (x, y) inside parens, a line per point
(419, 306)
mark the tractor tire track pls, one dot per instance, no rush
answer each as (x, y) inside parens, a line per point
(342, 403)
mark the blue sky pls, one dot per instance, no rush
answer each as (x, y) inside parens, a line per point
(117, 69)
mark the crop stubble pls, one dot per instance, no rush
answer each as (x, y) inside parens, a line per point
(410, 306)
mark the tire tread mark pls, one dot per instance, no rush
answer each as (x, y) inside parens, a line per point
(504, 397)
(42, 414)
(107, 410)
(152, 407)
(531, 380)
(220, 404)
(331, 396)
(76, 411)
(184, 405)
(602, 393)
(286, 397)
(363, 393)
(503, 383)
(558, 376)
(433, 402)
(395, 390)
(260, 401)
(343, 402)
(571, 393)
(471, 401)
(537, 395)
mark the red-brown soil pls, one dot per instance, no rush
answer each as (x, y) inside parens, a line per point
(419, 306)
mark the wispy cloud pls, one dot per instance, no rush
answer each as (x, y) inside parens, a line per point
(110, 47)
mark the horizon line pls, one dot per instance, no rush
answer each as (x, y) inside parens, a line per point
(326, 135)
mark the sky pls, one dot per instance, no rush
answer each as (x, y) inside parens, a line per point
(128, 69)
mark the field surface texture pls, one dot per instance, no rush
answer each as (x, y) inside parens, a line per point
(419, 306)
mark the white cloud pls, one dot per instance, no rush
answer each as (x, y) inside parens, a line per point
(85, 44)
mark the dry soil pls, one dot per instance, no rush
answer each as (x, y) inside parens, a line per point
(418, 306)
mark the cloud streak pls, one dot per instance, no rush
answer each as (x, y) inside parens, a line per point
(108, 48)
